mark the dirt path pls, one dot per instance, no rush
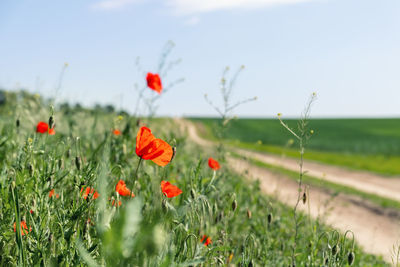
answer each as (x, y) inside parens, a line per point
(374, 230)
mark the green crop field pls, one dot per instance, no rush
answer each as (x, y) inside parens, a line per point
(43, 191)
(366, 144)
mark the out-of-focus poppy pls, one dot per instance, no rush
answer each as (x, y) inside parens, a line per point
(206, 240)
(117, 132)
(213, 164)
(154, 82)
(170, 190)
(24, 228)
(122, 189)
(52, 192)
(115, 204)
(150, 148)
(88, 191)
(43, 127)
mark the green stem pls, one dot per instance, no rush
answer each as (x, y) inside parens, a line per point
(137, 169)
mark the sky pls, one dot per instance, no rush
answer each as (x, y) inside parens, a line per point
(347, 51)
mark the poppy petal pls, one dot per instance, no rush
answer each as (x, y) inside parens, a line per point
(170, 190)
(143, 139)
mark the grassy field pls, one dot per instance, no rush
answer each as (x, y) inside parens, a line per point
(364, 144)
(62, 227)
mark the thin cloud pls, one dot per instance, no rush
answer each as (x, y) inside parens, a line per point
(114, 4)
(185, 7)
(193, 21)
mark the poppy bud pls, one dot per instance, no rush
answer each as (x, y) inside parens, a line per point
(173, 154)
(137, 122)
(192, 193)
(50, 238)
(68, 153)
(350, 258)
(304, 197)
(219, 217)
(51, 122)
(335, 249)
(78, 163)
(234, 205)
(250, 264)
(164, 205)
(249, 214)
(17, 123)
(30, 169)
(60, 163)
(269, 218)
(220, 261)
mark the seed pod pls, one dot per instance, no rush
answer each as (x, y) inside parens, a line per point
(249, 214)
(234, 205)
(51, 122)
(78, 163)
(17, 123)
(350, 258)
(269, 217)
(124, 149)
(68, 153)
(304, 197)
(30, 169)
(335, 249)
(192, 193)
(60, 163)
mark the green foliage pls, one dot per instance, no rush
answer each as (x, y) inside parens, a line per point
(149, 229)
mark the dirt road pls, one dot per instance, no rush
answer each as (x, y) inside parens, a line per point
(374, 230)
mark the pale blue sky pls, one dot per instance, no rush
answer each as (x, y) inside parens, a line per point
(348, 51)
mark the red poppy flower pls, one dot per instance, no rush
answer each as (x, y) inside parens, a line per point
(24, 228)
(206, 240)
(154, 82)
(51, 193)
(31, 211)
(150, 148)
(170, 190)
(43, 127)
(89, 190)
(213, 164)
(117, 132)
(122, 189)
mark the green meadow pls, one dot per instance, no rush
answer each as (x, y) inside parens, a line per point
(363, 144)
(71, 228)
